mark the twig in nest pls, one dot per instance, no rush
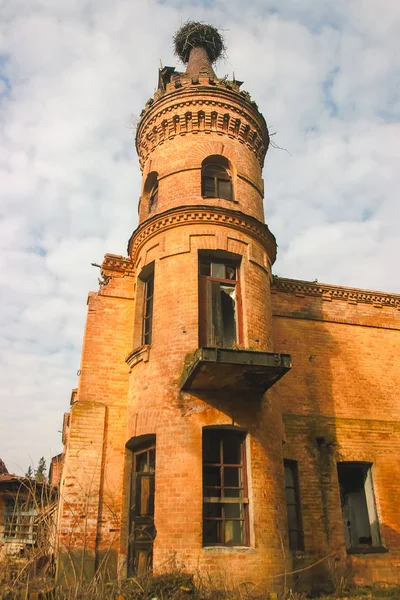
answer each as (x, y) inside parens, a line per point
(194, 34)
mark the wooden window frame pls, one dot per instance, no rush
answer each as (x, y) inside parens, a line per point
(375, 545)
(205, 309)
(224, 176)
(19, 520)
(148, 305)
(298, 530)
(221, 499)
(140, 549)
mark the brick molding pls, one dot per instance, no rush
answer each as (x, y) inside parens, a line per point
(331, 292)
(118, 264)
(196, 116)
(190, 215)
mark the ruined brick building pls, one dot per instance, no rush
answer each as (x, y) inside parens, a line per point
(227, 420)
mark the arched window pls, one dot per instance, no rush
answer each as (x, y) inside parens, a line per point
(153, 197)
(216, 178)
(150, 191)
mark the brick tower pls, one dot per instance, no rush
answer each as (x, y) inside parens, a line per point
(173, 447)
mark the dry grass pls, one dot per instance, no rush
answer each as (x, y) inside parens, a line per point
(173, 586)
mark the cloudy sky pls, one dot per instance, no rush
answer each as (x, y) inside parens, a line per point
(73, 76)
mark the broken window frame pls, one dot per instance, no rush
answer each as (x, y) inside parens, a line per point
(224, 495)
(142, 530)
(211, 323)
(19, 520)
(356, 543)
(293, 506)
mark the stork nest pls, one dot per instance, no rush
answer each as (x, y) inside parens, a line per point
(194, 34)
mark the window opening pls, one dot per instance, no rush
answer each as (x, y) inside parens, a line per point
(225, 501)
(361, 528)
(218, 304)
(295, 528)
(141, 511)
(19, 520)
(153, 197)
(148, 309)
(216, 180)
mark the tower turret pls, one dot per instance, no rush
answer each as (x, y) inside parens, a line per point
(203, 345)
(172, 440)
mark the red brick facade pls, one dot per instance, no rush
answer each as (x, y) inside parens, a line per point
(338, 403)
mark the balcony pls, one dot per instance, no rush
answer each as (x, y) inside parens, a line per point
(226, 369)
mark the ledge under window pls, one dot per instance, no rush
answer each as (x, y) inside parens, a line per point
(218, 198)
(367, 550)
(228, 549)
(138, 355)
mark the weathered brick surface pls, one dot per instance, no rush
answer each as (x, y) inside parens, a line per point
(342, 387)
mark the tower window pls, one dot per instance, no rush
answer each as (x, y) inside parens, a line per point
(153, 197)
(225, 501)
(219, 296)
(361, 528)
(144, 305)
(150, 191)
(295, 529)
(216, 179)
(148, 309)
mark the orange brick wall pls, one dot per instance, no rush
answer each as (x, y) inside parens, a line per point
(91, 486)
(342, 387)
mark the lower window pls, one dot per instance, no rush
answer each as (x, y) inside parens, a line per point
(295, 528)
(141, 511)
(225, 501)
(361, 528)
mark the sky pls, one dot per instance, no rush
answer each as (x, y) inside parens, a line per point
(74, 76)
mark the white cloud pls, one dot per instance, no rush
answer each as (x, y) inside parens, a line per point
(325, 75)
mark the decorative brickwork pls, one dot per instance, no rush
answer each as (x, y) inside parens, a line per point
(332, 292)
(118, 264)
(193, 215)
(197, 112)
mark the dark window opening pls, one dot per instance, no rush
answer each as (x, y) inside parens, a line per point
(218, 303)
(361, 528)
(141, 511)
(150, 191)
(148, 310)
(153, 197)
(216, 179)
(225, 501)
(295, 528)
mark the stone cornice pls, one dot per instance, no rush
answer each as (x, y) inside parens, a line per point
(190, 215)
(333, 292)
(197, 113)
(118, 264)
